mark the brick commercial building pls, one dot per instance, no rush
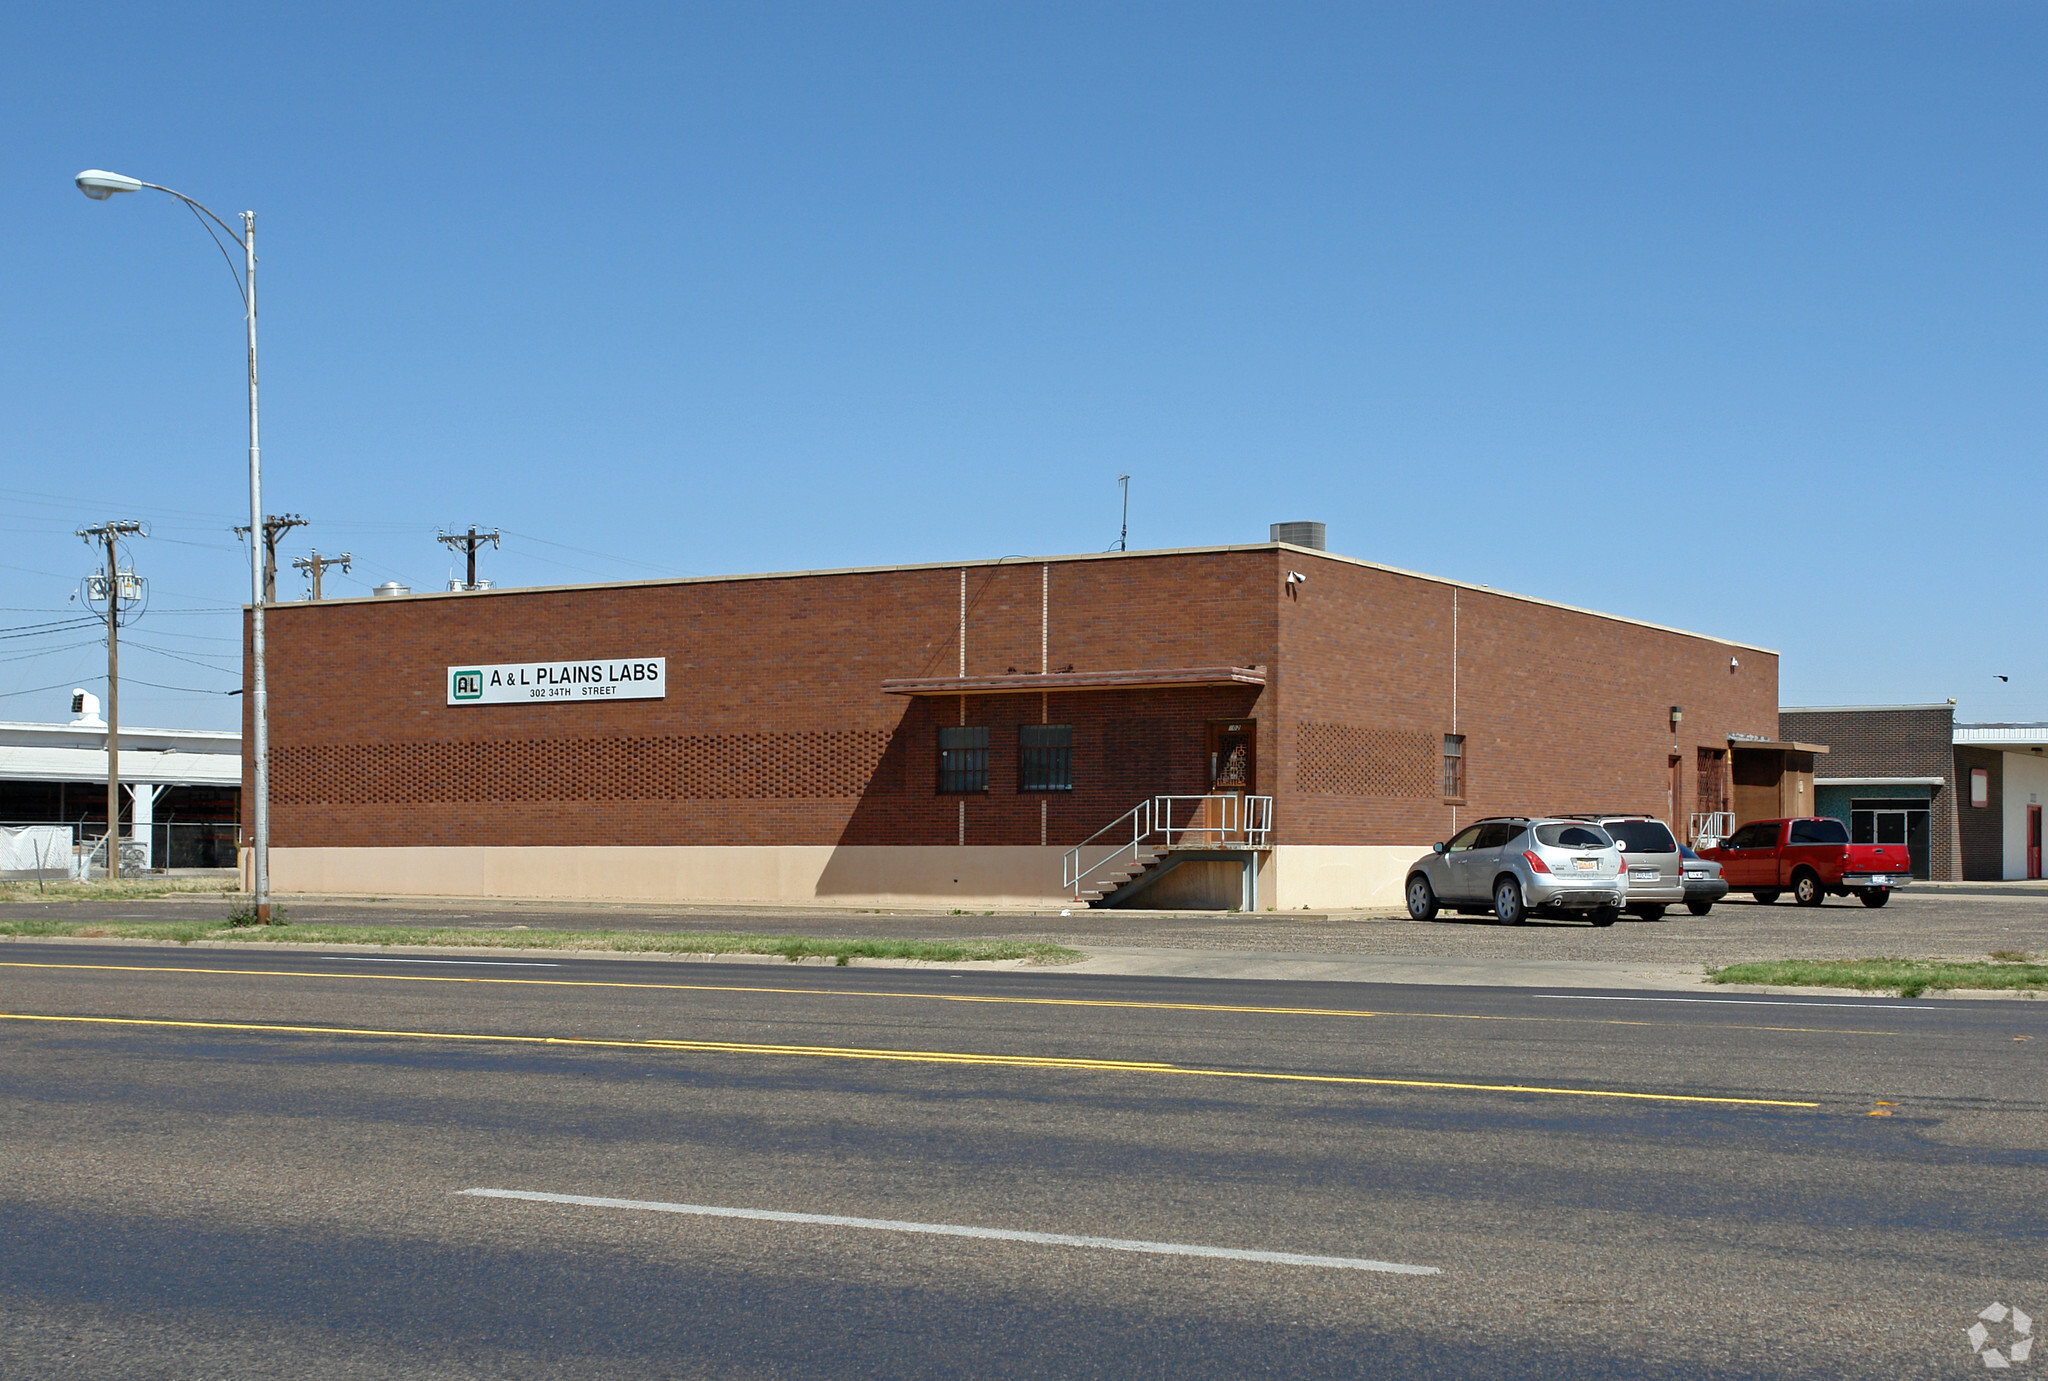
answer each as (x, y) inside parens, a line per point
(946, 734)
(1890, 776)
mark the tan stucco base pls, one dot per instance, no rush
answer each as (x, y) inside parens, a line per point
(1021, 878)
(1336, 877)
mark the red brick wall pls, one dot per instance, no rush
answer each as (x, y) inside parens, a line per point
(775, 730)
(1561, 710)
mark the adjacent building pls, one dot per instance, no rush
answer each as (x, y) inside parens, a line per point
(2003, 773)
(1890, 775)
(181, 789)
(1965, 799)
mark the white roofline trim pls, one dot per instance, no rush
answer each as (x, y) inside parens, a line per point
(1856, 709)
(1289, 547)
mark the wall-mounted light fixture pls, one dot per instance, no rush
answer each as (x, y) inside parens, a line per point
(1677, 715)
(1296, 578)
(1733, 663)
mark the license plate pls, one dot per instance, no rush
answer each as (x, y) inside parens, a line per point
(1587, 865)
(1642, 874)
(1880, 879)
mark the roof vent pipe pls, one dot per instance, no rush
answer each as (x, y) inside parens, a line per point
(390, 588)
(1299, 535)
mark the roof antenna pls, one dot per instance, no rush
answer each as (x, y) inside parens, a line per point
(1123, 537)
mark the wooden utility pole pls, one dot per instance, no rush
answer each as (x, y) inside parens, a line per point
(316, 564)
(468, 542)
(111, 534)
(275, 526)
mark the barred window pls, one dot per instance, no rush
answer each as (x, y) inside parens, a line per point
(963, 759)
(1045, 757)
(1454, 764)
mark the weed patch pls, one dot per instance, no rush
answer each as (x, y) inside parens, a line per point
(791, 947)
(1906, 977)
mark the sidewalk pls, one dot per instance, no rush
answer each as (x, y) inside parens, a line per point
(1323, 968)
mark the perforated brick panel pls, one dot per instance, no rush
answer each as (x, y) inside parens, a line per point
(1343, 760)
(706, 767)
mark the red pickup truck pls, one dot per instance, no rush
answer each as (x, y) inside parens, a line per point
(1811, 858)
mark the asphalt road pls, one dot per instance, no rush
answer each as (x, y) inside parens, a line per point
(222, 1164)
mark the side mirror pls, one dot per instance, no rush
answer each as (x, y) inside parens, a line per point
(1437, 847)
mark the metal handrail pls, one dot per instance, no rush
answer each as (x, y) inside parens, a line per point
(1246, 820)
(1712, 824)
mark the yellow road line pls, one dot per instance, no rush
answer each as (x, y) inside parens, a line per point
(907, 997)
(954, 1057)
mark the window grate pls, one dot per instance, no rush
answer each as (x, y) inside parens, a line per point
(1045, 757)
(963, 759)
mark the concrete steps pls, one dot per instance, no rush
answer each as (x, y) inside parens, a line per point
(1100, 886)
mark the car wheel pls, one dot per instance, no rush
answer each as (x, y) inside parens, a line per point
(1807, 891)
(1648, 913)
(1421, 899)
(1768, 895)
(1605, 915)
(1699, 908)
(1507, 902)
(1874, 897)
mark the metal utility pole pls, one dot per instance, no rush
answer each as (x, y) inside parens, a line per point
(275, 526)
(315, 564)
(468, 542)
(1123, 536)
(111, 534)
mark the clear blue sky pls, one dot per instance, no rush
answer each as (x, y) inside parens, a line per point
(1724, 316)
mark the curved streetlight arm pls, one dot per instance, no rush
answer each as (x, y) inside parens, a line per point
(198, 206)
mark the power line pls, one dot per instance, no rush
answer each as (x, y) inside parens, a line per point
(467, 543)
(275, 526)
(316, 565)
(111, 534)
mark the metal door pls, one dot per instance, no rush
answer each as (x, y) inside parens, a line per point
(2033, 841)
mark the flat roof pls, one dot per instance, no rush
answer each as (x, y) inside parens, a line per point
(25, 732)
(1024, 561)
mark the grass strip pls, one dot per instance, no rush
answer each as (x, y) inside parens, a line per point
(123, 890)
(791, 947)
(1906, 977)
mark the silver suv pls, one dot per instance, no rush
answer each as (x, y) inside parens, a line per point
(1515, 866)
(1656, 870)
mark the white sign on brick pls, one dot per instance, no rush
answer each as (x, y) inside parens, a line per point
(520, 683)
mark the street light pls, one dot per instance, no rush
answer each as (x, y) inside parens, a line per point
(100, 185)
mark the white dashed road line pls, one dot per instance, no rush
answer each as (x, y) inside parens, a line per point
(1050, 1239)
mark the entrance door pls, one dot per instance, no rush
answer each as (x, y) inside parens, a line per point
(2033, 841)
(1675, 802)
(1233, 773)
